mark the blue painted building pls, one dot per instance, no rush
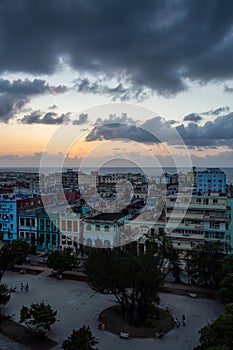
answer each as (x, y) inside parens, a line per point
(8, 218)
(210, 180)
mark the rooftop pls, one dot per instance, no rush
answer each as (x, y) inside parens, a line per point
(107, 217)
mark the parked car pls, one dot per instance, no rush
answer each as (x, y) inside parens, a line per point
(43, 260)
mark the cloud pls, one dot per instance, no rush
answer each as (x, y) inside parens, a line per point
(222, 159)
(53, 107)
(82, 119)
(159, 45)
(152, 131)
(16, 94)
(213, 134)
(122, 90)
(193, 117)
(217, 111)
(228, 89)
(49, 118)
(114, 131)
(218, 132)
(113, 118)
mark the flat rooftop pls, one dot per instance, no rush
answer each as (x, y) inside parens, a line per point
(107, 217)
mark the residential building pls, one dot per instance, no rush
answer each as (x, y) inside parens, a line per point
(197, 219)
(70, 225)
(210, 180)
(48, 232)
(103, 230)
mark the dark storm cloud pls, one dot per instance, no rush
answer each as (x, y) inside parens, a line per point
(217, 111)
(50, 118)
(213, 134)
(155, 44)
(218, 132)
(193, 117)
(120, 131)
(82, 119)
(14, 95)
(228, 89)
(122, 90)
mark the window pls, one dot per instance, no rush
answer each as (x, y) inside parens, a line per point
(69, 225)
(106, 228)
(97, 228)
(75, 226)
(42, 224)
(106, 244)
(88, 227)
(63, 225)
(47, 224)
(89, 242)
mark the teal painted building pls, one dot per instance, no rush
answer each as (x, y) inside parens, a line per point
(48, 232)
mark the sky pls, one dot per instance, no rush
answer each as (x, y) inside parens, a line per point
(84, 81)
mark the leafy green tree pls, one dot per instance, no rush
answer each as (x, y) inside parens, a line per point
(218, 334)
(170, 256)
(20, 249)
(5, 294)
(226, 289)
(225, 268)
(40, 317)
(61, 261)
(134, 280)
(12, 253)
(81, 339)
(203, 262)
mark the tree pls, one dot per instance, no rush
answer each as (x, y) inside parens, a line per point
(61, 261)
(226, 289)
(12, 253)
(5, 294)
(81, 339)
(218, 334)
(170, 255)
(39, 317)
(134, 280)
(203, 262)
(225, 268)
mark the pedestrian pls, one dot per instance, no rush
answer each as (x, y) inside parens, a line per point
(26, 287)
(21, 287)
(183, 320)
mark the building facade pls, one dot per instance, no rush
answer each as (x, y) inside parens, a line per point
(210, 180)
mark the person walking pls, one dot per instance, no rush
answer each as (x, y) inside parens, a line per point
(26, 287)
(21, 287)
(183, 320)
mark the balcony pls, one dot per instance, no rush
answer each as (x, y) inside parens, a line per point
(224, 218)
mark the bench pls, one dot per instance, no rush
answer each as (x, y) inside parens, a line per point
(192, 295)
(124, 335)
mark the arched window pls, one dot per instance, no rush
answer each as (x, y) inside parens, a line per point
(98, 243)
(97, 228)
(106, 228)
(88, 227)
(106, 244)
(89, 242)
